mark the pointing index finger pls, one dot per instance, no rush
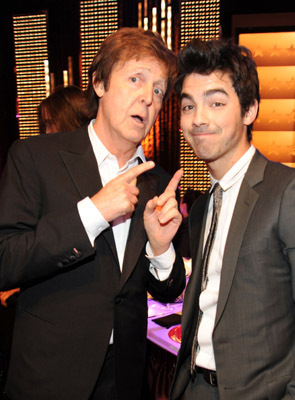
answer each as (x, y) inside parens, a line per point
(131, 175)
(173, 184)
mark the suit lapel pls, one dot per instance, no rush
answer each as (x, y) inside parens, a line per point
(81, 164)
(82, 167)
(246, 201)
(147, 185)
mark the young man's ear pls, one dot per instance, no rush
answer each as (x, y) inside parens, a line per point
(251, 114)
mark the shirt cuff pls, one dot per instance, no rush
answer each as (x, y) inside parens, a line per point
(161, 266)
(92, 219)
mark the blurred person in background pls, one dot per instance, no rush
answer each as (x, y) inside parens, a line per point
(64, 110)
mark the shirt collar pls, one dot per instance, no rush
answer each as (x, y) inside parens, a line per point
(236, 172)
(102, 153)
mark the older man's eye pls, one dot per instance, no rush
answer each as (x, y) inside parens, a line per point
(159, 92)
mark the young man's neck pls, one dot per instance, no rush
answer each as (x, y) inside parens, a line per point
(218, 168)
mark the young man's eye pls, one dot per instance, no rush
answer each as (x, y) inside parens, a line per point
(187, 107)
(217, 104)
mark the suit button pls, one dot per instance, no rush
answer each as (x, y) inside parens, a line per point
(59, 264)
(77, 253)
(170, 283)
(72, 258)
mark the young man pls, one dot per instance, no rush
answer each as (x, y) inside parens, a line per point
(72, 235)
(238, 320)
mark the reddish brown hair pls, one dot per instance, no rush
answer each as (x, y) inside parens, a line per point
(123, 45)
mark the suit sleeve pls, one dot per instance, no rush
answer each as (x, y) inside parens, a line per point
(286, 227)
(168, 290)
(34, 244)
(287, 236)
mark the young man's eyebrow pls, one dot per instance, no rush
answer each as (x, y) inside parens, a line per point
(211, 92)
(185, 96)
(207, 93)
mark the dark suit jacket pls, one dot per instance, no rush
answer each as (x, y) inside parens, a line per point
(72, 294)
(254, 334)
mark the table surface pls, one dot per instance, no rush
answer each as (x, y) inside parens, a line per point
(158, 334)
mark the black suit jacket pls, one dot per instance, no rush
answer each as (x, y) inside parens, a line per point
(254, 332)
(72, 294)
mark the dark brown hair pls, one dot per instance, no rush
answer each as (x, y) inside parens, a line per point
(66, 108)
(205, 57)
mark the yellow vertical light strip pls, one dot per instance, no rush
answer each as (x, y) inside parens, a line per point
(98, 19)
(169, 27)
(163, 19)
(163, 9)
(145, 16)
(163, 29)
(198, 19)
(47, 78)
(30, 44)
(70, 70)
(154, 19)
(145, 23)
(52, 82)
(139, 14)
(65, 77)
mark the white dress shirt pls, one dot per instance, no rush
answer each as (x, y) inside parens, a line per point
(230, 183)
(93, 221)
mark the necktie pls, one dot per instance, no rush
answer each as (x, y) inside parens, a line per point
(217, 201)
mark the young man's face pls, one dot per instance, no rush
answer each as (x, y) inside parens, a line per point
(211, 120)
(130, 105)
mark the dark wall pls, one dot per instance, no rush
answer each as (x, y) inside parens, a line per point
(236, 7)
(8, 126)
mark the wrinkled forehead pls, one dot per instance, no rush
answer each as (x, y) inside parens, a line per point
(142, 58)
